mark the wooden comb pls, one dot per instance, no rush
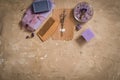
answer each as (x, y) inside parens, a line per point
(48, 29)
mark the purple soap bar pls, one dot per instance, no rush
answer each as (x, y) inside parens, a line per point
(41, 6)
(88, 35)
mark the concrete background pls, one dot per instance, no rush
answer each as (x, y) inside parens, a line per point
(31, 59)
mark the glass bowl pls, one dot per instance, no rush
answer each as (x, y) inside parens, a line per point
(83, 12)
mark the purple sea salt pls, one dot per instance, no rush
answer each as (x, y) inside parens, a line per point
(83, 12)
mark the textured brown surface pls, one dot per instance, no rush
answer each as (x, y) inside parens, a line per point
(31, 59)
(69, 25)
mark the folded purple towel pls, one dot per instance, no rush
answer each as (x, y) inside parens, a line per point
(32, 21)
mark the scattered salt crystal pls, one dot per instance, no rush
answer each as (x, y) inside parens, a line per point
(74, 63)
(1, 61)
(56, 59)
(56, 44)
(45, 56)
(64, 41)
(94, 56)
(42, 58)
